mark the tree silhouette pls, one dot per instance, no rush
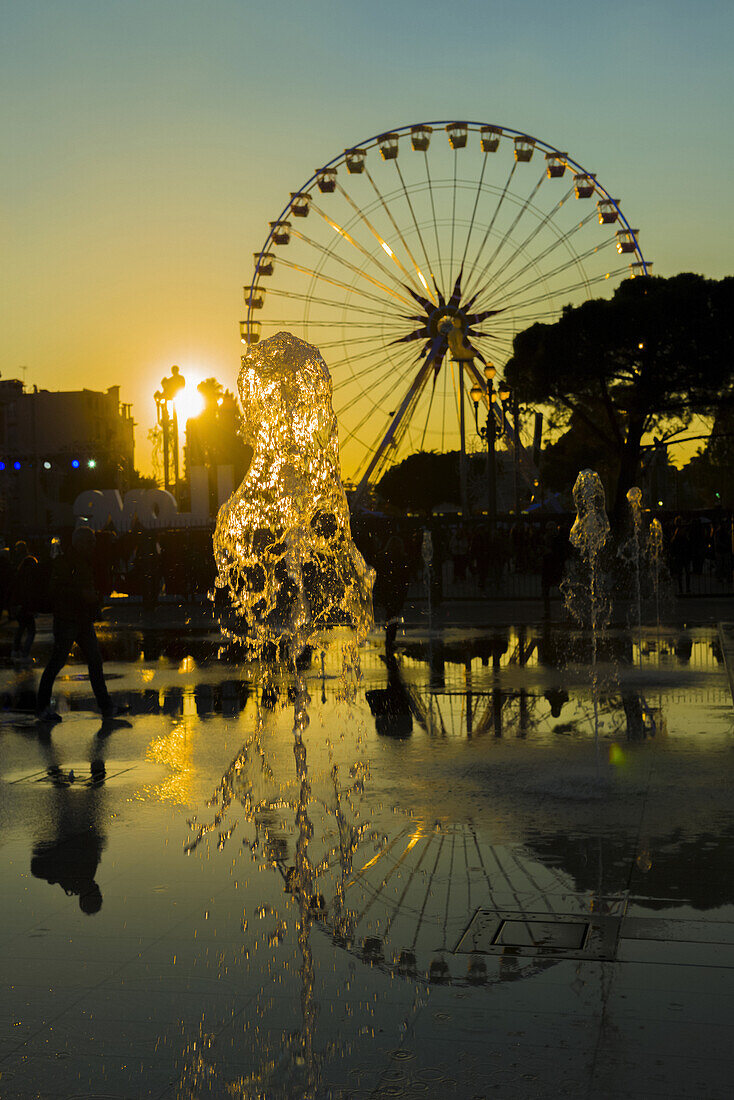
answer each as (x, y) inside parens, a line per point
(644, 361)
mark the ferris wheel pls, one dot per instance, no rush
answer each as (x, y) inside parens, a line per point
(413, 258)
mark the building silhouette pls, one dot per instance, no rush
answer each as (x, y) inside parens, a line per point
(54, 444)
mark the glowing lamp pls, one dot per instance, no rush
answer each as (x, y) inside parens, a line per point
(16, 465)
(75, 463)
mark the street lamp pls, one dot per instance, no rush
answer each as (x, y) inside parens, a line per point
(170, 387)
(509, 396)
(489, 431)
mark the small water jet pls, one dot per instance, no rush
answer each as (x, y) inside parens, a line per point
(656, 559)
(427, 556)
(586, 593)
(631, 552)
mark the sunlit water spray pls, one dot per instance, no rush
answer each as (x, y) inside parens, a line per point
(656, 560)
(290, 570)
(283, 546)
(631, 552)
(586, 594)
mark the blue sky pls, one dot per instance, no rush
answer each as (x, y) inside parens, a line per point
(148, 144)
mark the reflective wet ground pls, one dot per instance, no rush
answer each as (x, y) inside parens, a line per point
(477, 874)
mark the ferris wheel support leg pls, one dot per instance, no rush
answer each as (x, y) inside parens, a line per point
(462, 453)
(390, 435)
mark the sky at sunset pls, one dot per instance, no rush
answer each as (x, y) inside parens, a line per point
(147, 143)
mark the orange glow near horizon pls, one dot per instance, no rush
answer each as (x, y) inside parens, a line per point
(189, 402)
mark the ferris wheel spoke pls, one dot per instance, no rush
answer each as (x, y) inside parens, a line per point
(332, 281)
(542, 224)
(508, 232)
(371, 863)
(397, 229)
(428, 415)
(387, 367)
(474, 211)
(490, 227)
(388, 441)
(352, 341)
(541, 893)
(584, 281)
(415, 222)
(399, 901)
(371, 396)
(435, 220)
(468, 874)
(547, 278)
(563, 239)
(349, 360)
(350, 266)
(448, 888)
(389, 438)
(483, 866)
(336, 303)
(273, 322)
(345, 235)
(521, 907)
(429, 891)
(412, 841)
(383, 244)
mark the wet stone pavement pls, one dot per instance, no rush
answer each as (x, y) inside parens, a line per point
(455, 885)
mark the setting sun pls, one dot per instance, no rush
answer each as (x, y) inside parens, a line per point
(188, 401)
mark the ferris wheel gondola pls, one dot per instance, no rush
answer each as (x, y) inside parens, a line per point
(419, 232)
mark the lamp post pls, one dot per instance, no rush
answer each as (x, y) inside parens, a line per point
(489, 432)
(170, 387)
(508, 395)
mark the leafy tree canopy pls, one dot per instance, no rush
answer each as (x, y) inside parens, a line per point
(641, 362)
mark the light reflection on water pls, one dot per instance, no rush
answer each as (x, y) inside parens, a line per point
(325, 873)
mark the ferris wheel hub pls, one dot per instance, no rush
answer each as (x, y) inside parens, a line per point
(443, 319)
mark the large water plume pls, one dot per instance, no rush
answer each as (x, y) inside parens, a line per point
(283, 545)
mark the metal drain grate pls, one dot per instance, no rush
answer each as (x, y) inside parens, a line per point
(561, 934)
(548, 935)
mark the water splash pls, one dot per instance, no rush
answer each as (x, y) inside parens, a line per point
(631, 551)
(427, 555)
(588, 600)
(283, 546)
(586, 594)
(656, 559)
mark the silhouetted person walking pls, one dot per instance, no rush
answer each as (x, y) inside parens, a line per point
(75, 602)
(23, 602)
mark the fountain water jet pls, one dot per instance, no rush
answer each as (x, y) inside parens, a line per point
(282, 544)
(631, 552)
(587, 598)
(656, 557)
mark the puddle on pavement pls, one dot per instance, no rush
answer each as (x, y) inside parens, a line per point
(271, 918)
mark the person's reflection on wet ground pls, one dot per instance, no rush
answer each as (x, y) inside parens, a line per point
(683, 648)
(70, 854)
(557, 699)
(390, 706)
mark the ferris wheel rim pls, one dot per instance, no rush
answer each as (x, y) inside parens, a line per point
(537, 279)
(372, 142)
